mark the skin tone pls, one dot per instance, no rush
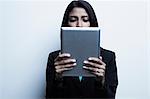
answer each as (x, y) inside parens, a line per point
(78, 17)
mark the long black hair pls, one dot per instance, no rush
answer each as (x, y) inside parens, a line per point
(82, 4)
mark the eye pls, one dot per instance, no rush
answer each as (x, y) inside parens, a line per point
(85, 19)
(72, 19)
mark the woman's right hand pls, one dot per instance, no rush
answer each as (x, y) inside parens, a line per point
(64, 62)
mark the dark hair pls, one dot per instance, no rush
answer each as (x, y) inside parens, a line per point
(82, 4)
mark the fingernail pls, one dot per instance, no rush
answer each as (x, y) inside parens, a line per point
(89, 58)
(100, 57)
(84, 67)
(68, 55)
(73, 60)
(74, 64)
(85, 62)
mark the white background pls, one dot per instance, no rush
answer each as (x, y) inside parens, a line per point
(29, 30)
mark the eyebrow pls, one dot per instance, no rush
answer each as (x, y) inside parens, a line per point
(77, 17)
(73, 16)
(84, 16)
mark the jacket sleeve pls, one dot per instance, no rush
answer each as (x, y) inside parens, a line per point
(52, 83)
(108, 89)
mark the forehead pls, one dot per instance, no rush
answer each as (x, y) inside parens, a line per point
(78, 11)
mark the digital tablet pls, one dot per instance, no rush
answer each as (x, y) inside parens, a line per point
(81, 43)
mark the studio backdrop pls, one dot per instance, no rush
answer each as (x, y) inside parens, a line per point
(30, 30)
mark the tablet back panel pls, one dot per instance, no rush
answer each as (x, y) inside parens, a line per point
(81, 43)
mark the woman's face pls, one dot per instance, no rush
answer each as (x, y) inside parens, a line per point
(78, 17)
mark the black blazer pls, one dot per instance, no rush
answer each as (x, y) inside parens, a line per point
(89, 87)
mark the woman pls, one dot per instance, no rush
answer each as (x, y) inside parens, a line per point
(81, 14)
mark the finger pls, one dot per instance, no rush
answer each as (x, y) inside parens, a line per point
(100, 70)
(100, 57)
(99, 74)
(94, 69)
(95, 59)
(64, 55)
(59, 53)
(94, 65)
(90, 68)
(63, 69)
(66, 61)
(65, 66)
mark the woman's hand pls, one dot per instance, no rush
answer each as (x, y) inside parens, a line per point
(64, 62)
(95, 65)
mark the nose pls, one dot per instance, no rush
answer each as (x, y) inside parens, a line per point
(79, 24)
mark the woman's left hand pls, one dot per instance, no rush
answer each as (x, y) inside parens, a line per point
(95, 65)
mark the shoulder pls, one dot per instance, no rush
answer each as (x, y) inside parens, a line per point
(107, 55)
(54, 54)
(106, 52)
